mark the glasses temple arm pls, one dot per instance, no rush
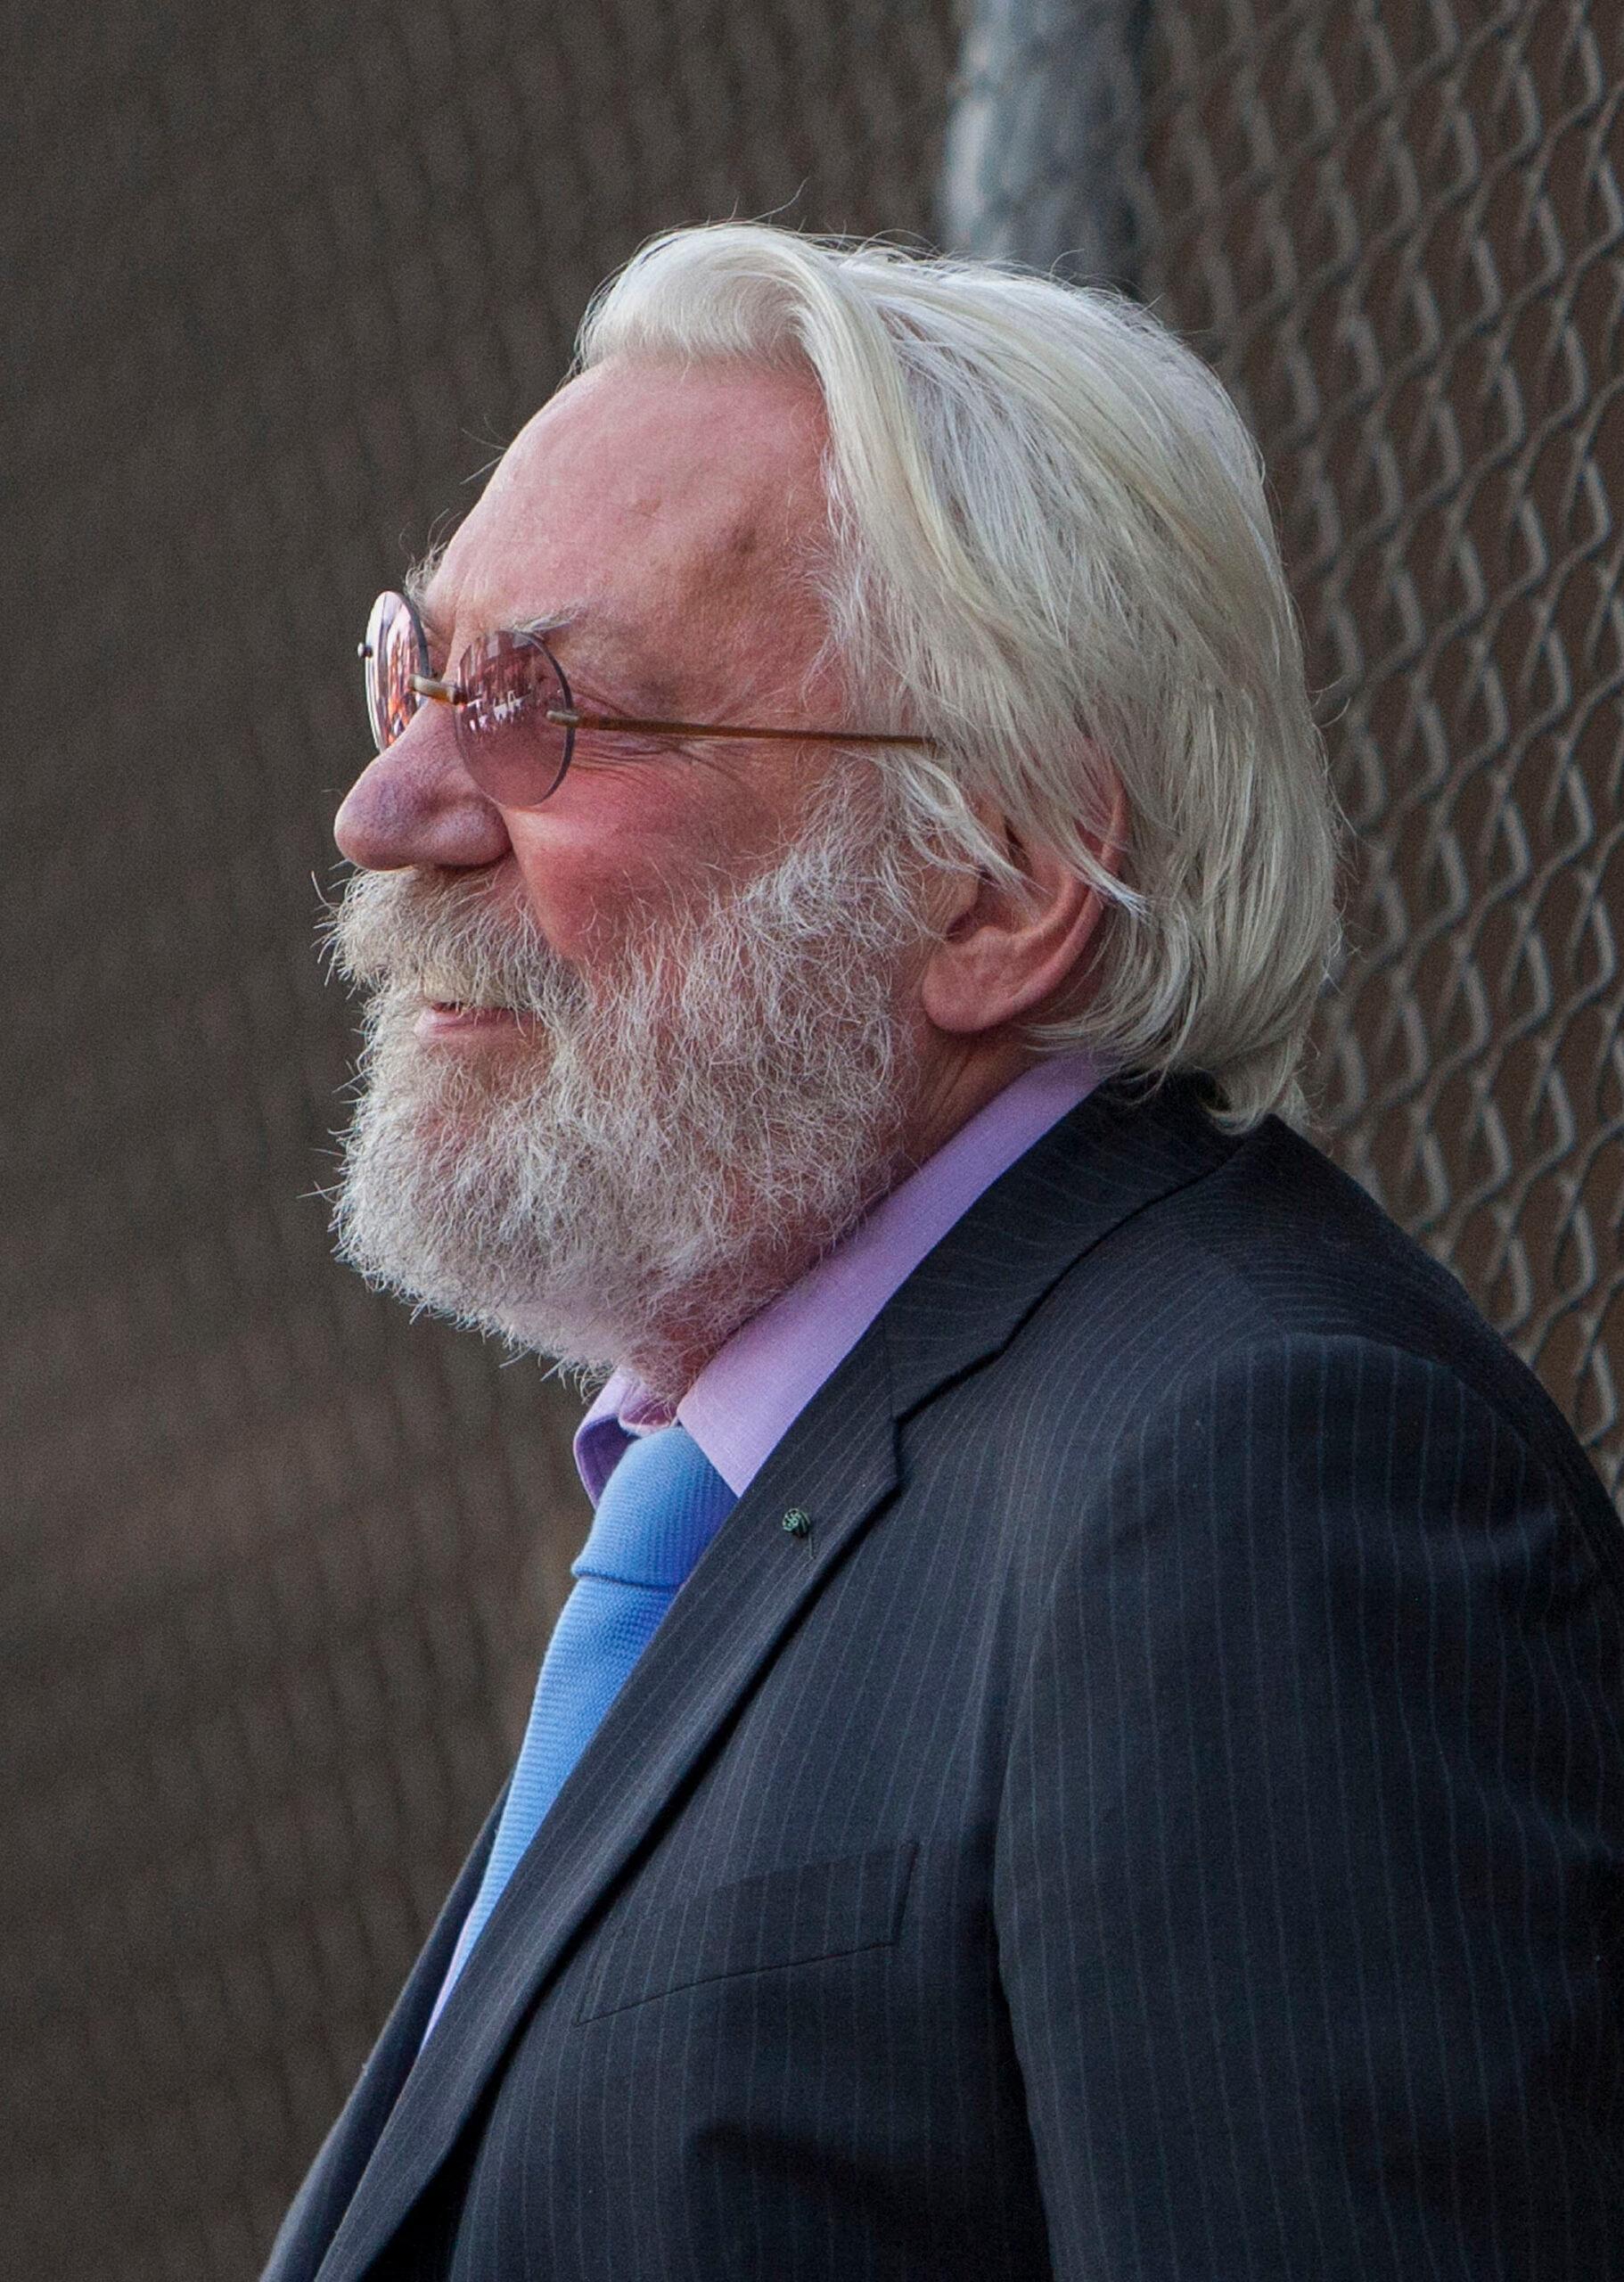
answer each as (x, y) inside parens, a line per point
(574, 720)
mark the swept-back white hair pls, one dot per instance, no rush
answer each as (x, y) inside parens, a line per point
(1050, 540)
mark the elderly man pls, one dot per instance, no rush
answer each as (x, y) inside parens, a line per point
(1087, 1740)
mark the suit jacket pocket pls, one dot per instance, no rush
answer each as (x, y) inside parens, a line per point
(780, 1917)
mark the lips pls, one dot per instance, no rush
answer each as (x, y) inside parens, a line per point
(441, 1017)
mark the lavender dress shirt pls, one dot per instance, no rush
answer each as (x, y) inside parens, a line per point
(748, 1394)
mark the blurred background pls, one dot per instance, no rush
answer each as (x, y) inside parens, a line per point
(281, 281)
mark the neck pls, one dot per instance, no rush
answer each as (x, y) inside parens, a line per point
(960, 1076)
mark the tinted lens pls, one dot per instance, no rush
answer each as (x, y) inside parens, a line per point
(394, 650)
(507, 686)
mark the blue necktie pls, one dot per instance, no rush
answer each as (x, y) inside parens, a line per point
(659, 1509)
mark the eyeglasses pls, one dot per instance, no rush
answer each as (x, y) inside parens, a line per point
(516, 719)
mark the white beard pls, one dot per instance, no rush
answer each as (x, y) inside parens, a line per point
(665, 1147)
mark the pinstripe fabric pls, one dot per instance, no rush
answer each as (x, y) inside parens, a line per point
(1165, 1820)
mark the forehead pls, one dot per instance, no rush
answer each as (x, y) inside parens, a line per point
(645, 497)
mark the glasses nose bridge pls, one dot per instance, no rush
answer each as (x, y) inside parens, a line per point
(420, 757)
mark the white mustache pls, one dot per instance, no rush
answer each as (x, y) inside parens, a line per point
(400, 935)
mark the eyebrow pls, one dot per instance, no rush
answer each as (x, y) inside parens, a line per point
(644, 691)
(420, 576)
(556, 621)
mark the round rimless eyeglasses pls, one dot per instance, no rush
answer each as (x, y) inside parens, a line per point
(516, 719)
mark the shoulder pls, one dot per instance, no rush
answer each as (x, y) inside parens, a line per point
(1274, 1281)
(1259, 1335)
(1271, 1237)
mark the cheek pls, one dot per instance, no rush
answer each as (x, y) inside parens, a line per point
(616, 849)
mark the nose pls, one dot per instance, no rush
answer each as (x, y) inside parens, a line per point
(416, 804)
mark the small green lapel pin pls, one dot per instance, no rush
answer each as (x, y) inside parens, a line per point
(799, 1524)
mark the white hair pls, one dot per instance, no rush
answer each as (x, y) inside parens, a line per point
(1049, 537)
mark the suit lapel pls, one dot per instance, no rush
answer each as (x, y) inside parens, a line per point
(836, 1466)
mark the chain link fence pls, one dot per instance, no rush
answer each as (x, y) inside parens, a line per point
(1396, 230)
(278, 1561)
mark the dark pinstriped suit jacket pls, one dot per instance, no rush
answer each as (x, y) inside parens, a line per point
(1165, 1820)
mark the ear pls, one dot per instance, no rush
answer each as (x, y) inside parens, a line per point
(1007, 949)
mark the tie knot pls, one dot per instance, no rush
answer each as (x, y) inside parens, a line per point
(659, 1509)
